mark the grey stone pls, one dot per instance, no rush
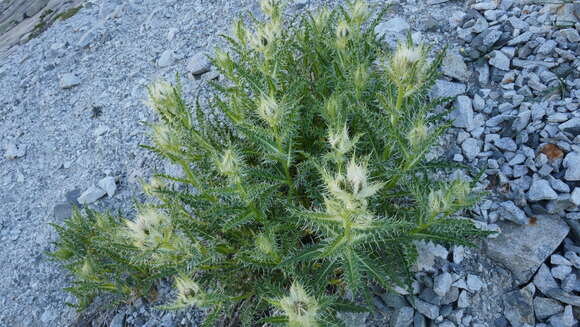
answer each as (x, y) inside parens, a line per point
(575, 196)
(454, 66)
(546, 283)
(572, 126)
(118, 320)
(69, 80)
(48, 316)
(564, 319)
(446, 323)
(547, 47)
(506, 143)
(491, 37)
(560, 272)
(511, 212)
(394, 300)
(559, 185)
(451, 296)
(444, 88)
(541, 190)
(166, 59)
(557, 259)
(87, 38)
(572, 165)
(471, 148)
(109, 185)
(519, 308)
(464, 300)
(486, 5)
(99, 131)
(523, 248)
(404, 317)
(62, 211)
(546, 307)
(500, 60)
(442, 284)
(429, 310)
(522, 121)
(481, 25)
(13, 151)
(91, 195)
(199, 64)
(428, 253)
(419, 320)
(474, 283)
(393, 25)
(353, 318)
(570, 283)
(463, 116)
(571, 34)
(573, 258)
(522, 38)
(483, 73)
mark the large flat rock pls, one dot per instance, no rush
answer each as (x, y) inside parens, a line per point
(523, 248)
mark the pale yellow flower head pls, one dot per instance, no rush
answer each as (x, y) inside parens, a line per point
(165, 138)
(408, 67)
(149, 228)
(188, 291)
(418, 134)
(269, 6)
(343, 32)
(360, 11)
(162, 98)
(155, 184)
(269, 110)
(263, 39)
(300, 308)
(437, 202)
(340, 141)
(229, 163)
(265, 244)
(356, 174)
(321, 18)
(87, 271)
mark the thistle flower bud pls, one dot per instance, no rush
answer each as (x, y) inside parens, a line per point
(265, 244)
(342, 34)
(340, 141)
(300, 308)
(265, 37)
(165, 138)
(408, 67)
(86, 272)
(240, 32)
(229, 163)
(438, 202)
(162, 98)
(224, 61)
(332, 107)
(356, 174)
(320, 19)
(269, 110)
(418, 134)
(188, 292)
(360, 11)
(148, 229)
(154, 185)
(460, 190)
(269, 7)
(361, 76)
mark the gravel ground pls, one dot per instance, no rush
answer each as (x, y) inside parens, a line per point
(71, 122)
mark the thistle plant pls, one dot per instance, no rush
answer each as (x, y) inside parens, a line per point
(315, 184)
